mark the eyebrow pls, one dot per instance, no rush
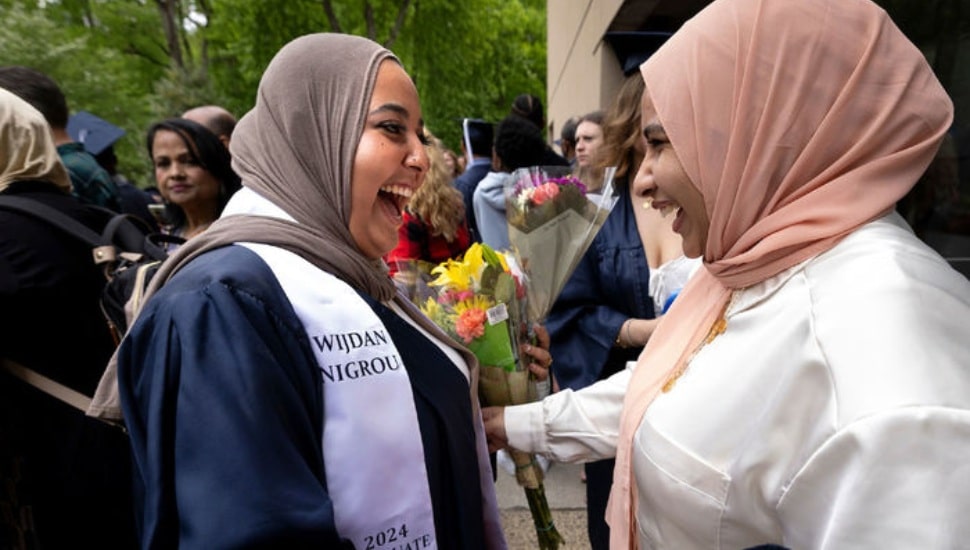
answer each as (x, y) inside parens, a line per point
(393, 107)
(653, 128)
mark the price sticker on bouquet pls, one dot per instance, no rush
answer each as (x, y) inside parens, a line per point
(497, 314)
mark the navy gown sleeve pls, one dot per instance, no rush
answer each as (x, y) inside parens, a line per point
(609, 286)
(223, 404)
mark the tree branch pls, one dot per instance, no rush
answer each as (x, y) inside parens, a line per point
(398, 23)
(331, 16)
(369, 20)
(169, 25)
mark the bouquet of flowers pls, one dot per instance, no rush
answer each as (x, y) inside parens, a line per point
(552, 220)
(479, 300)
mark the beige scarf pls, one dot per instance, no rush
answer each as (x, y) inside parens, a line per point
(798, 121)
(27, 151)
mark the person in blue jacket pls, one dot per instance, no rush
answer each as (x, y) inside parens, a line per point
(278, 391)
(607, 310)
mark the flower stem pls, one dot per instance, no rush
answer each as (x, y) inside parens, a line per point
(546, 533)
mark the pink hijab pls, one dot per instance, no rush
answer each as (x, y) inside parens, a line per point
(798, 121)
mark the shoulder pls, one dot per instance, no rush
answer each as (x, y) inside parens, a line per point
(491, 185)
(889, 316)
(472, 175)
(25, 238)
(231, 273)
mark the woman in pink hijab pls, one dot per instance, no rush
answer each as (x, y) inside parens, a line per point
(810, 387)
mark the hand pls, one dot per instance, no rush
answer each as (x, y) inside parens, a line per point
(539, 354)
(494, 418)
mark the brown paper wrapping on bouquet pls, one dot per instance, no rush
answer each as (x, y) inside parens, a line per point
(498, 388)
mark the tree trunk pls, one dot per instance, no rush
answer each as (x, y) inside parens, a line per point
(170, 24)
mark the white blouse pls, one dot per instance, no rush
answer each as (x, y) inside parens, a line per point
(834, 412)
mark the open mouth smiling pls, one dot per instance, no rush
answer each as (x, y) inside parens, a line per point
(397, 194)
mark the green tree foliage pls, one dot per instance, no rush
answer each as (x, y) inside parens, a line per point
(115, 59)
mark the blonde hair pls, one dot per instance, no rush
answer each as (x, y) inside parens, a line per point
(437, 202)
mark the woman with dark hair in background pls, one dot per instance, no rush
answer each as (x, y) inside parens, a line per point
(193, 173)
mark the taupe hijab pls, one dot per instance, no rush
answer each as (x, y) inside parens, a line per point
(296, 148)
(27, 151)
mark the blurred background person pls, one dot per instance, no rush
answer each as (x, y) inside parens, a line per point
(217, 119)
(98, 137)
(518, 143)
(193, 174)
(65, 478)
(567, 140)
(530, 108)
(433, 228)
(589, 138)
(452, 162)
(476, 144)
(89, 181)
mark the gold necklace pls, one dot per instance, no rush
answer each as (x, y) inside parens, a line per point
(717, 329)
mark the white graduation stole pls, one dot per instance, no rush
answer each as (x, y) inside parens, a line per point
(376, 473)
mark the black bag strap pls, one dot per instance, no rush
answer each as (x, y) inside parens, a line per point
(123, 232)
(52, 216)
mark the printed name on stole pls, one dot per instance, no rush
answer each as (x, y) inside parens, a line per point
(358, 368)
(349, 341)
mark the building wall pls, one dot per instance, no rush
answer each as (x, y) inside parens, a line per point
(582, 72)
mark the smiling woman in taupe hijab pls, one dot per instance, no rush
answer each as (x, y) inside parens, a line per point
(278, 391)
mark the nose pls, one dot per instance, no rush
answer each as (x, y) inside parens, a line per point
(176, 170)
(643, 183)
(418, 159)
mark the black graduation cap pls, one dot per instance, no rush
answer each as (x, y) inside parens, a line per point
(632, 48)
(477, 135)
(95, 133)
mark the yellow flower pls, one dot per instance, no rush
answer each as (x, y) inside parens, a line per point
(432, 308)
(460, 275)
(475, 302)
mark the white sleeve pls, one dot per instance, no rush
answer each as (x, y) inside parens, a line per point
(571, 426)
(893, 480)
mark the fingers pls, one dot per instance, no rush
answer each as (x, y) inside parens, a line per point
(539, 371)
(495, 435)
(541, 360)
(542, 336)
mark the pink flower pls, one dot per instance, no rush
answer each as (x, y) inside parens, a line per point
(470, 324)
(544, 192)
